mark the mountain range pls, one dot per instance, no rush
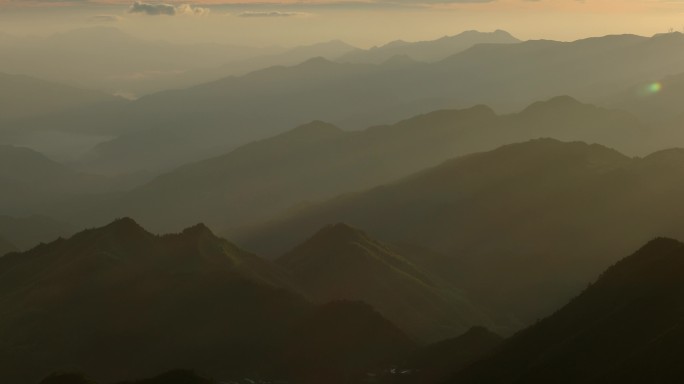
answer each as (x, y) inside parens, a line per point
(170, 128)
(427, 51)
(119, 303)
(318, 160)
(499, 216)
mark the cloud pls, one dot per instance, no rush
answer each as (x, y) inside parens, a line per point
(160, 9)
(152, 9)
(271, 14)
(187, 9)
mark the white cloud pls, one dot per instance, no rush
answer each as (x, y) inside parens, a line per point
(158, 9)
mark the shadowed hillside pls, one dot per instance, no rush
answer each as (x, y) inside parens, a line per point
(340, 262)
(625, 328)
(118, 302)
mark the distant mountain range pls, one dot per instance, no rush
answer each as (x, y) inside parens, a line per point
(625, 328)
(499, 216)
(318, 160)
(118, 302)
(428, 51)
(175, 127)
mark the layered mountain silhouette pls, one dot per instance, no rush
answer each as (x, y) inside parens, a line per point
(120, 303)
(318, 160)
(171, 128)
(526, 225)
(625, 328)
(341, 262)
(428, 51)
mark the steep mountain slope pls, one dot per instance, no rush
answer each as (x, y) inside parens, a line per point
(118, 302)
(340, 262)
(428, 51)
(625, 328)
(528, 225)
(317, 161)
(188, 124)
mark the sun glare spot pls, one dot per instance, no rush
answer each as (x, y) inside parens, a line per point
(654, 87)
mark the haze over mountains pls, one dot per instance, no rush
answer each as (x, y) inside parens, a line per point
(428, 51)
(413, 213)
(318, 160)
(153, 132)
(500, 214)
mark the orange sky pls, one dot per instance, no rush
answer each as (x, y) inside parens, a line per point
(361, 23)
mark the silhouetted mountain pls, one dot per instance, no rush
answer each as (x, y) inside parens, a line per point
(340, 262)
(428, 51)
(171, 128)
(625, 328)
(318, 161)
(118, 302)
(23, 96)
(527, 225)
(329, 50)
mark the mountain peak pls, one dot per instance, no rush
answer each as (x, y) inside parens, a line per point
(318, 61)
(125, 224)
(198, 230)
(563, 101)
(339, 232)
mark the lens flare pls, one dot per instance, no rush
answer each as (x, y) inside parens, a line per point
(654, 87)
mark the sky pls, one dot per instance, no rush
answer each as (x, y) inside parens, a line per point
(363, 23)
